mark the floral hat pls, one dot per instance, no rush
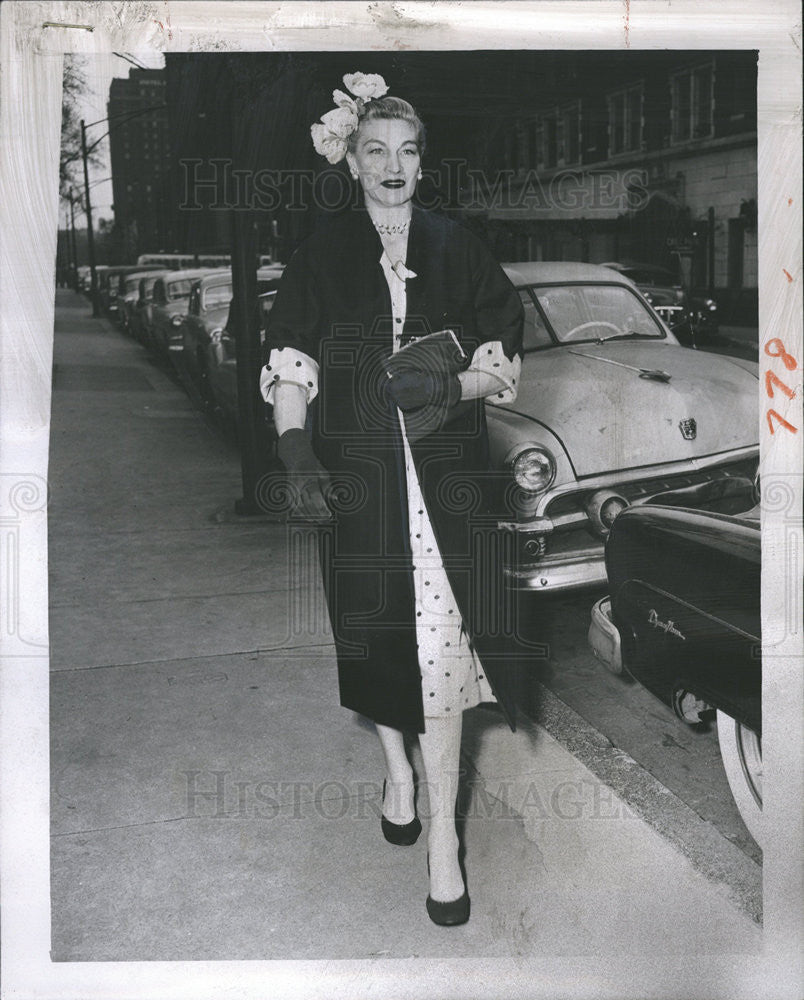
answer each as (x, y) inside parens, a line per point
(331, 134)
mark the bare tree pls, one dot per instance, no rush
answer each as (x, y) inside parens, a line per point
(74, 85)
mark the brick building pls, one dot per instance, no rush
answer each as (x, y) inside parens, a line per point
(647, 157)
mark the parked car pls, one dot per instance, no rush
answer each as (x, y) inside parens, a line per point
(84, 275)
(110, 287)
(127, 296)
(100, 278)
(683, 619)
(141, 313)
(688, 316)
(223, 369)
(171, 295)
(208, 357)
(611, 412)
(207, 308)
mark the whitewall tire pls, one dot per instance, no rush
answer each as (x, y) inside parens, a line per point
(741, 752)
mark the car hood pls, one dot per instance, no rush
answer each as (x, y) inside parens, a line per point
(609, 418)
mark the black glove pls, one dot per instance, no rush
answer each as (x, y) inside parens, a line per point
(415, 389)
(307, 476)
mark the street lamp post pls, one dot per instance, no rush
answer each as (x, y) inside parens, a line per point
(73, 245)
(90, 235)
(126, 116)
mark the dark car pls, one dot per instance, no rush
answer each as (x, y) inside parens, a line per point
(208, 332)
(683, 619)
(223, 367)
(128, 296)
(688, 315)
(141, 313)
(171, 296)
(110, 286)
(207, 309)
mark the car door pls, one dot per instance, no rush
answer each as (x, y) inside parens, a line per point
(193, 332)
(159, 315)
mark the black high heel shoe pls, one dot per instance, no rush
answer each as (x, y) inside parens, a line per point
(400, 834)
(454, 911)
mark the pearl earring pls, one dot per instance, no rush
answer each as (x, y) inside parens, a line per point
(420, 174)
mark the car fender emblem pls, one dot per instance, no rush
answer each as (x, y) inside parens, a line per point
(668, 626)
(688, 428)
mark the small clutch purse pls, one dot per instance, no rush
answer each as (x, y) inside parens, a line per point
(437, 352)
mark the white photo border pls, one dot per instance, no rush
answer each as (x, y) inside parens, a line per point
(31, 57)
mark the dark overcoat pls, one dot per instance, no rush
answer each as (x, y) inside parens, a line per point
(333, 304)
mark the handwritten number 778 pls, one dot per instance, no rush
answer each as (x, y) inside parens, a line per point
(772, 379)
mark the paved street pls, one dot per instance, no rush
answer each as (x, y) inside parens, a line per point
(211, 799)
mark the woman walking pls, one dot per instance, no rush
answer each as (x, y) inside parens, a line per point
(405, 574)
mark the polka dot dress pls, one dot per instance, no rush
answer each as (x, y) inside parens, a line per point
(452, 676)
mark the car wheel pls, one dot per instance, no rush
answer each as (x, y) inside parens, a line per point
(741, 752)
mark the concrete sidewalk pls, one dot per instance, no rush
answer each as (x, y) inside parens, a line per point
(211, 799)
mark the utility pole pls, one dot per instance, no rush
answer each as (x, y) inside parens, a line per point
(73, 245)
(255, 442)
(253, 432)
(90, 235)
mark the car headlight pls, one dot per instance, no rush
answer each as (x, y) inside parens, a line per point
(534, 469)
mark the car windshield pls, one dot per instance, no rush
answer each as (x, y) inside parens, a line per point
(217, 296)
(573, 313)
(179, 289)
(132, 284)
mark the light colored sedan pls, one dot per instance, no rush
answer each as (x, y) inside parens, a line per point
(611, 411)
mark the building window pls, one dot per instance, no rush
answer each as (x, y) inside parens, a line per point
(523, 161)
(570, 136)
(547, 155)
(625, 120)
(692, 97)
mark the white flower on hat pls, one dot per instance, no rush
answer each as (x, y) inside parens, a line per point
(327, 144)
(345, 101)
(341, 121)
(331, 133)
(365, 85)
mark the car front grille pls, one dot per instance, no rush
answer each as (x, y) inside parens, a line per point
(634, 492)
(568, 512)
(573, 531)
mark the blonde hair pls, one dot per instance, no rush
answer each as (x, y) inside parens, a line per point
(390, 109)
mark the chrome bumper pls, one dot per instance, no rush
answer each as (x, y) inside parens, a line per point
(567, 573)
(604, 638)
(585, 566)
